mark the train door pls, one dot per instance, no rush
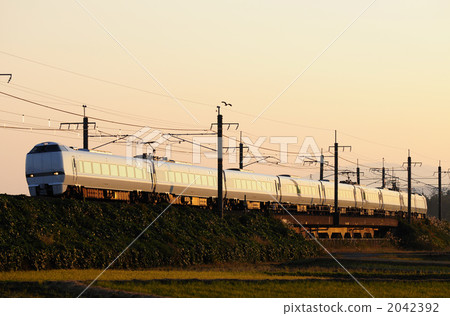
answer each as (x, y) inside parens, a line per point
(319, 195)
(359, 197)
(278, 189)
(151, 174)
(224, 185)
(380, 200)
(403, 204)
(322, 193)
(74, 171)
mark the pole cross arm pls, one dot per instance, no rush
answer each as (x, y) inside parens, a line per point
(413, 164)
(10, 76)
(77, 124)
(228, 125)
(343, 148)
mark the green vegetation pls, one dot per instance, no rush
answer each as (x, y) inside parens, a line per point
(50, 233)
(55, 247)
(427, 234)
(229, 288)
(433, 201)
(301, 288)
(315, 277)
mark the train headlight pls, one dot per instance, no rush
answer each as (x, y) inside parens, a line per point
(55, 173)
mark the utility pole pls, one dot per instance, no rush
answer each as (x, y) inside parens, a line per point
(336, 181)
(336, 178)
(85, 129)
(220, 157)
(440, 172)
(85, 126)
(322, 162)
(440, 191)
(383, 174)
(358, 179)
(241, 153)
(219, 162)
(409, 187)
(410, 164)
(241, 148)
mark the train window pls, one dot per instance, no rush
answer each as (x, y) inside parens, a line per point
(80, 166)
(122, 171)
(305, 190)
(130, 172)
(191, 178)
(264, 186)
(138, 173)
(114, 170)
(185, 178)
(171, 176)
(210, 181)
(46, 149)
(105, 169)
(144, 173)
(96, 168)
(249, 185)
(244, 184)
(178, 177)
(87, 167)
(204, 180)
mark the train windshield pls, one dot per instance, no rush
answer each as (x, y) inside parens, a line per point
(46, 149)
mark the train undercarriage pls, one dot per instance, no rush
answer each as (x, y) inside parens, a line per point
(230, 205)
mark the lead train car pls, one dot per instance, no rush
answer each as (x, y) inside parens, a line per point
(55, 169)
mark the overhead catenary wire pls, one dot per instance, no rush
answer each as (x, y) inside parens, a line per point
(196, 102)
(92, 107)
(134, 125)
(94, 118)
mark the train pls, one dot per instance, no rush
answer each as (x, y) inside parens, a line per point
(54, 169)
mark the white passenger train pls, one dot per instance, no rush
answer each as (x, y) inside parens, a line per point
(55, 169)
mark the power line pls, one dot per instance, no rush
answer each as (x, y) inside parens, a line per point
(95, 118)
(98, 108)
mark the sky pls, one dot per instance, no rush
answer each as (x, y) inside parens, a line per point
(377, 72)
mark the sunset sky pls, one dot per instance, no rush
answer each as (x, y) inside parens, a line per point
(378, 72)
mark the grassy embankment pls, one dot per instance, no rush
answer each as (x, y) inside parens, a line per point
(48, 233)
(208, 256)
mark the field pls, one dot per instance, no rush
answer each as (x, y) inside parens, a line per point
(405, 274)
